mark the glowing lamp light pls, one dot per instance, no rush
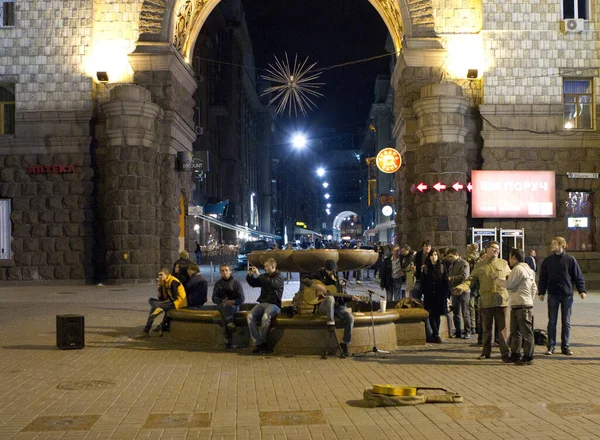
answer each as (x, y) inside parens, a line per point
(110, 57)
(387, 210)
(320, 171)
(569, 125)
(299, 141)
(329, 205)
(327, 196)
(196, 227)
(465, 56)
(325, 185)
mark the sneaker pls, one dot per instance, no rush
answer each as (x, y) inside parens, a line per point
(231, 327)
(331, 323)
(257, 349)
(344, 348)
(567, 352)
(466, 336)
(549, 352)
(157, 311)
(483, 356)
(436, 340)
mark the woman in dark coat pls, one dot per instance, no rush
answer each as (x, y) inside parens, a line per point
(436, 291)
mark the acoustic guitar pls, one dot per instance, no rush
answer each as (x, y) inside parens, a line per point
(313, 297)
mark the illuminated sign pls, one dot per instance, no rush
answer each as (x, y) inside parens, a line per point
(388, 160)
(301, 224)
(386, 199)
(193, 161)
(51, 169)
(513, 194)
(439, 186)
(578, 222)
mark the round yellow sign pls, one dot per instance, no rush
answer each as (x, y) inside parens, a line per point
(389, 160)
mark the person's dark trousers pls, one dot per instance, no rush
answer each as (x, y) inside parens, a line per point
(500, 315)
(434, 322)
(565, 302)
(155, 304)
(394, 292)
(521, 332)
(460, 309)
(416, 292)
(227, 313)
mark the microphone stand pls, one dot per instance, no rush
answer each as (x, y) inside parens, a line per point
(378, 352)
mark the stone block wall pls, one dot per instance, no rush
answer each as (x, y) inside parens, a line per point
(527, 54)
(53, 218)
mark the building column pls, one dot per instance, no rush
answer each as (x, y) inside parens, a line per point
(132, 175)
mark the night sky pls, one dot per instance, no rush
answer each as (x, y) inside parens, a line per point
(330, 32)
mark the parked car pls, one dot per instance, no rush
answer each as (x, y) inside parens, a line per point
(250, 246)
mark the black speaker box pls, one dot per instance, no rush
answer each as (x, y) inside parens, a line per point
(69, 332)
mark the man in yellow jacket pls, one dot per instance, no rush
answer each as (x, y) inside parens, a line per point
(171, 295)
(493, 297)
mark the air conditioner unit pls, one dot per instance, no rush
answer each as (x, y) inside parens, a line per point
(572, 25)
(199, 130)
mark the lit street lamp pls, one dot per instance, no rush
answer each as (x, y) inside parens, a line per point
(320, 171)
(299, 141)
(325, 184)
(327, 195)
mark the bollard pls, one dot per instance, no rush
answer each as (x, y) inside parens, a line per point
(211, 272)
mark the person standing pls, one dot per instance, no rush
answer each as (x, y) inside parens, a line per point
(494, 299)
(407, 259)
(531, 260)
(198, 253)
(228, 295)
(474, 309)
(458, 272)
(521, 290)
(559, 273)
(436, 290)
(420, 261)
(269, 303)
(391, 275)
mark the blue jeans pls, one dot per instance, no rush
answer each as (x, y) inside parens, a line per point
(331, 310)
(263, 312)
(394, 292)
(565, 302)
(227, 313)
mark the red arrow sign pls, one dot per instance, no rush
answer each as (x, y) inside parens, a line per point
(470, 186)
(457, 186)
(422, 187)
(439, 186)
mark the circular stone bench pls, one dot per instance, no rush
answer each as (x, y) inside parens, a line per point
(303, 334)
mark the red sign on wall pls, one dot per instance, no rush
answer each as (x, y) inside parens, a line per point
(51, 169)
(513, 194)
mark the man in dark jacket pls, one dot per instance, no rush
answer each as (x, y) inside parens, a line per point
(196, 288)
(420, 261)
(458, 272)
(391, 275)
(558, 275)
(228, 295)
(269, 303)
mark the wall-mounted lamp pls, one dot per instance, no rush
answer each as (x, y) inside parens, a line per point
(102, 76)
(472, 73)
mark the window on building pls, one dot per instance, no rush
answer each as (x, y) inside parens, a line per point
(578, 101)
(576, 9)
(5, 229)
(7, 13)
(7, 109)
(580, 221)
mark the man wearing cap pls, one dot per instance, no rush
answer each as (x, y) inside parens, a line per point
(334, 306)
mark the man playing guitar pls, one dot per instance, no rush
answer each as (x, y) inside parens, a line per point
(333, 305)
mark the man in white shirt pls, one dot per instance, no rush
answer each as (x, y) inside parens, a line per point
(521, 290)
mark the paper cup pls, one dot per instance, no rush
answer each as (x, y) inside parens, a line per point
(382, 305)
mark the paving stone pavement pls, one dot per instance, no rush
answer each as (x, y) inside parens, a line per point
(119, 387)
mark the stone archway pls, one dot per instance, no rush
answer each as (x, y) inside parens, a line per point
(180, 21)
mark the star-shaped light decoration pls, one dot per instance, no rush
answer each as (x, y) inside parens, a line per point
(295, 85)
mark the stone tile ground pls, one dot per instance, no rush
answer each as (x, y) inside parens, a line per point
(161, 389)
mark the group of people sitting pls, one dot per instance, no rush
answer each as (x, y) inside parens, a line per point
(185, 287)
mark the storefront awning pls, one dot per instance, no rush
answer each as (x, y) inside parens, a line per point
(238, 228)
(302, 231)
(380, 227)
